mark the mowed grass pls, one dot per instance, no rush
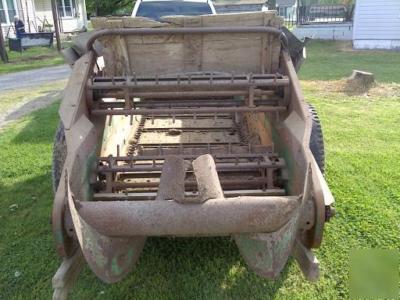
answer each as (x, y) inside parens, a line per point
(14, 98)
(363, 158)
(335, 60)
(33, 58)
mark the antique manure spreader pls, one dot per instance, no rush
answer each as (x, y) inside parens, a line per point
(193, 126)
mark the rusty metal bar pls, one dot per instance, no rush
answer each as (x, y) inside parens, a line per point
(184, 30)
(187, 156)
(187, 77)
(221, 167)
(155, 111)
(201, 85)
(186, 103)
(190, 184)
(203, 149)
(213, 217)
(180, 94)
(145, 196)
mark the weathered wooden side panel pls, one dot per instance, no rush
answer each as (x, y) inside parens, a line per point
(168, 54)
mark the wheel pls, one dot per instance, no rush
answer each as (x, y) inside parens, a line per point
(59, 155)
(317, 139)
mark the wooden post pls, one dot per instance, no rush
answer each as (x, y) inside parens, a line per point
(3, 51)
(55, 22)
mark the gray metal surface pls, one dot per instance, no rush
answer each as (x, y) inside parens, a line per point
(213, 217)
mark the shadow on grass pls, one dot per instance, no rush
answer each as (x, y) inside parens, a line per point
(185, 268)
(41, 128)
(33, 105)
(27, 256)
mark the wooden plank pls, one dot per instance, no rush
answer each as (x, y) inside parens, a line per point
(166, 54)
(256, 126)
(188, 137)
(231, 53)
(193, 48)
(152, 59)
(226, 20)
(140, 22)
(118, 135)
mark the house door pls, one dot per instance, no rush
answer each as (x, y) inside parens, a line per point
(69, 15)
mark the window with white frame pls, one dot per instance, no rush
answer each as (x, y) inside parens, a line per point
(66, 8)
(7, 11)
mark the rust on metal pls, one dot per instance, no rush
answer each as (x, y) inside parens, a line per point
(188, 30)
(187, 131)
(213, 217)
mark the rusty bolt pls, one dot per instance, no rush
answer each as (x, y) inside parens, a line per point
(330, 212)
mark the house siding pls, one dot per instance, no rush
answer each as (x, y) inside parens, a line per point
(377, 24)
(43, 10)
(27, 14)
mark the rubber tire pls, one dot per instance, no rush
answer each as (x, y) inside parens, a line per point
(317, 139)
(59, 156)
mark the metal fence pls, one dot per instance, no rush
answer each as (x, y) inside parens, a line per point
(324, 14)
(290, 20)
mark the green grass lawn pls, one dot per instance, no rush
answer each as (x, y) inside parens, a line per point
(12, 98)
(32, 58)
(363, 162)
(335, 60)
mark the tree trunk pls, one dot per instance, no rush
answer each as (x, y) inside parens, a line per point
(56, 25)
(3, 51)
(360, 81)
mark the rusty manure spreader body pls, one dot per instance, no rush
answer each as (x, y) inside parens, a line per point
(192, 126)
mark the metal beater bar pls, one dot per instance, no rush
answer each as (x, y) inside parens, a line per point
(221, 167)
(163, 217)
(179, 94)
(190, 184)
(185, 156)
(188, 78)
(202, 149)
(185, 103)
(185, 86)
(144, 196)
(155, 111)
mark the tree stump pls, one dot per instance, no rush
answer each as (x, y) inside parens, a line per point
(360, 81)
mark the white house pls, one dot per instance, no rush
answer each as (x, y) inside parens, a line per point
(377, 24)
(37, 14)
(287, 9)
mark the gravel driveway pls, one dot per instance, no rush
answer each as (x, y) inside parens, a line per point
(33, 78)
